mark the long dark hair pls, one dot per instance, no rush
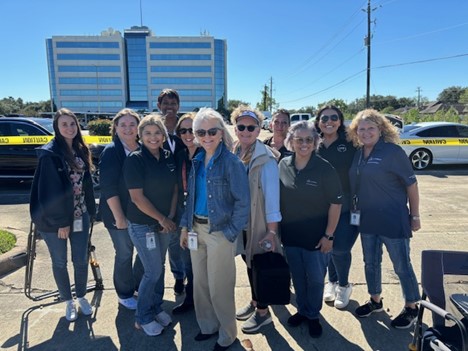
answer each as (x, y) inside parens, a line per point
(341, 129)
(79, 147)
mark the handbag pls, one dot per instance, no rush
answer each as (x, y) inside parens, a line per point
(271, 278)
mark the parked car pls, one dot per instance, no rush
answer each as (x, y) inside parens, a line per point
(266, 124)
(298, 117)
(19, 137)
(428, 143)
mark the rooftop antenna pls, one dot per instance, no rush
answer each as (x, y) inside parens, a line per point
(141, 16)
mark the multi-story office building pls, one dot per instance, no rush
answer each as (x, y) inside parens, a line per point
(109, 72)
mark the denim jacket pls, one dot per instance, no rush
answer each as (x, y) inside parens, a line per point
(228, 193)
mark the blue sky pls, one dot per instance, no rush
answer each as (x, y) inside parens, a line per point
(313, 49)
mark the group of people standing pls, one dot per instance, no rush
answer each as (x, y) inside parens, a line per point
(184, 185)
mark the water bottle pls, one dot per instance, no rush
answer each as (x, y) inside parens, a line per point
(266, 245)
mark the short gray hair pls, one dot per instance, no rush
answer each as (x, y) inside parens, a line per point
(303, 125)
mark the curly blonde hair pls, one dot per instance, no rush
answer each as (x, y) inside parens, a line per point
(241, 108)
(387, 130)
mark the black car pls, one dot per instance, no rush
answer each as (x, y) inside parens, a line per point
(18, 160)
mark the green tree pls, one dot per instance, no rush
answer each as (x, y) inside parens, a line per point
(451, 95)
(340, 103)
(267, 102)
(233, 104)
(412, 116)
(464, 97)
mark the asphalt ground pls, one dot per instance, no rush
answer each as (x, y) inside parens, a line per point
(41, 325)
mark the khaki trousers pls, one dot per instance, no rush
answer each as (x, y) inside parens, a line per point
(214, 278)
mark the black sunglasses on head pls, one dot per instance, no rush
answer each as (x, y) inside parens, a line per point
(241, 128)
(185, 130)
(325, 118)
(211, 132)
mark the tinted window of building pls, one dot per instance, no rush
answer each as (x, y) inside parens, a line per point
(90, 80)
(191, 80)
(86, 44)
(176, 57)
(62, 68)
(180, 68)
(88, 57)
(180, 45)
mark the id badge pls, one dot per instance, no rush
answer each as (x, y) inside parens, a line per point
(192, 241)
(78, 225)
(150, 241)
(355, 217)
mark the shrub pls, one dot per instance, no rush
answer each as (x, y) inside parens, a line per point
(7, 241)
(99, 127)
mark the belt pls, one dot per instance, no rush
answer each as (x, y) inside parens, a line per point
(200, 220)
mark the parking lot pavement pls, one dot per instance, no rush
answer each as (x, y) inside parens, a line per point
(25, 324)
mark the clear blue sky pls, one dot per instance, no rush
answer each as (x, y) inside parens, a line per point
(313, 49)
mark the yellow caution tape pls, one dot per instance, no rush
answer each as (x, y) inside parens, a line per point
(44, 139)
(435, 142)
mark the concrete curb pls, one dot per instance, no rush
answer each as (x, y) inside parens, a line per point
(16, 257)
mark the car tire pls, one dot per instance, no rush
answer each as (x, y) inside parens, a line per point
(421, 159)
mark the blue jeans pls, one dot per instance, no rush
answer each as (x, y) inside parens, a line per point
(399, 252)
(79, 255)
(147, 305)
(340, 262)
(175, 256)
(308, 270)
(125, 270)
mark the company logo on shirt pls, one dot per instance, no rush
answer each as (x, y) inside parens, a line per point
(341, 148)
(374, 160)
(311, 182)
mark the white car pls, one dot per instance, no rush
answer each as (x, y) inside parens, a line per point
(428, 143)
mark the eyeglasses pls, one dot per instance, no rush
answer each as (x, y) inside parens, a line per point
(241, 128)
(202, 132)
(185, 130)
(308, 140)
(325, 118)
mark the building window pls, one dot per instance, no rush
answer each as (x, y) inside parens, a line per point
(180, 68)
(90, 92)
(88, 57)
(180, 45)
(62, 68)
(176, 80)
(90, 80)
(87, 44)
(176, 57)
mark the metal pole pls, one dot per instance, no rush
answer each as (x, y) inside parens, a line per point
(368, 43)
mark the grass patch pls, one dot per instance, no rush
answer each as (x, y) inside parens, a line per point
(7, 241)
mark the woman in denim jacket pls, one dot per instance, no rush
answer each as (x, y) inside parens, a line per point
(217, 210)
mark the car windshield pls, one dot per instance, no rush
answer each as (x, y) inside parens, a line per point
(47, 123)
(410, 127)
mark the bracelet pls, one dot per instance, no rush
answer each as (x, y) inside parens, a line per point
(272, 231)
(415, 218)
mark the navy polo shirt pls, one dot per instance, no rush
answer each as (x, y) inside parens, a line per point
(381, 189)
(340, 154)
(156, 177)
(305, 198)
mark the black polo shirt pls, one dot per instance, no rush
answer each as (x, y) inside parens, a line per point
(305, 198)
(156, 177)
(340, 154)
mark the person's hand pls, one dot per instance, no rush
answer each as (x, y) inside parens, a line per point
(271, 237)
(168, 226)
(415, 224)
(184, 238)
(64, 232)
(121, 223)
(325, 245)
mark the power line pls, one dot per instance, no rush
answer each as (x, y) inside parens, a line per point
(422, 61)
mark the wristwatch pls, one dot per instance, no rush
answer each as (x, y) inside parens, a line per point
(329, 237)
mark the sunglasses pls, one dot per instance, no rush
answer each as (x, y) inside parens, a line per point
(202, 132)
(241, 128)
(308, 140)
(325, 118)
(185, 130)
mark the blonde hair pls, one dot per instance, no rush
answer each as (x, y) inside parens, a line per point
(152, 119)
(241, 108)
(387, 130)
(208, 114)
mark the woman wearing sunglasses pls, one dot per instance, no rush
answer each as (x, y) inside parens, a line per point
(260, 162)
(184, 131)
(310, 198)
(217, 210)
(339, 152)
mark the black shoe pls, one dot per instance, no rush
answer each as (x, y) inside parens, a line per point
(179, 286)
(406, 318)
(218, 347)
(183, 307)
(296, 320)
(201, 337)
(369, 307)
(315, 328)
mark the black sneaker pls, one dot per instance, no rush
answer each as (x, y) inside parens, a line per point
(315, 328)
(179, 287)
(296, 320)
(368, 308)
(406, 318)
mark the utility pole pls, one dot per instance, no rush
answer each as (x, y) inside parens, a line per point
(265, 94)
(418, 90)
(368, 44)
(271, 95)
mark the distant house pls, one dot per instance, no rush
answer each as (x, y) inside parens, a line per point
(434, 107)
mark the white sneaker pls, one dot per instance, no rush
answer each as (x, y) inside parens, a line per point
(130, 303)
(71, 313)
(163, 318)
(343, 293)
(84, 306)
(151, 329)
(329, 293)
